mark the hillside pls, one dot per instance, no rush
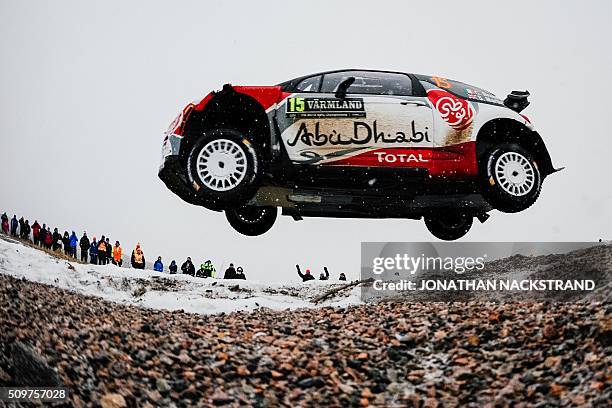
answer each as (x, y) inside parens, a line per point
(84, 327)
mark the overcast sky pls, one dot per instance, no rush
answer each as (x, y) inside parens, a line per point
(88, 87)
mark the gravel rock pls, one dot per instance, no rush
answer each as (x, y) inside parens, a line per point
(31, 368)
(394, 353)
(113, 401)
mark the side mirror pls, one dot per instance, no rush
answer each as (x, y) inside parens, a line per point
(343, 86)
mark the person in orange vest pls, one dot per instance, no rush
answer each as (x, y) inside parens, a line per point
(138, 259)
(102, 252)
(117, 254)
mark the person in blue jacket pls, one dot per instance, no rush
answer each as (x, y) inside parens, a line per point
(158, 266)
(93, 251)
(74, 241)
(14, 224)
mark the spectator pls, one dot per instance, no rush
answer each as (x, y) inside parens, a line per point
(200, 272)
(324, 276)
(230, 273)
(207, 270)
(57, 240)
(66, 242)
(187, 267)
(210, 269)
(25, 231)
(36, 232)
(48, 240)
(93, 251)
(102, 252)
(305, 276)
(84, 245)
(5, 224)
(172, 268)
(14, 224)
(21, 227)
(28, 229)
(117, 254)
(158, 266)
(342, 277)
(138, 259)
(240, 273)
(43, 235)
(109, 251)
(74, 241)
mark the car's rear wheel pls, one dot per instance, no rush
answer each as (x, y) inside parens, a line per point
(511, 178)
(448, 225)
(223, 168)
(251, 220)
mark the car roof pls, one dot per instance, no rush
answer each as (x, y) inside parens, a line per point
(300, 78)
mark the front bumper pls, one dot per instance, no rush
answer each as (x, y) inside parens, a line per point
(172, 170)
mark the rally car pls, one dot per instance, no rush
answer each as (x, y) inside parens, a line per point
(356, 143)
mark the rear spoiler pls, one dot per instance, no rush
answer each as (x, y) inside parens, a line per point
(517, 100)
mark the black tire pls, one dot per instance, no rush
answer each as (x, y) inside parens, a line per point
(448, 226)
(251, 220)
(224, 168)
(503, 193)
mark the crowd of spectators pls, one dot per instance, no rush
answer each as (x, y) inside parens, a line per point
(103, 252)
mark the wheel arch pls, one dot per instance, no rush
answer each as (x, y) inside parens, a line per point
(503, 130)
(233, 110)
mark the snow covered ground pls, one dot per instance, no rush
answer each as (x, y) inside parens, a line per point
(161, 290)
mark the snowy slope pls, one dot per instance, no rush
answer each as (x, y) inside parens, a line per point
(160, 290)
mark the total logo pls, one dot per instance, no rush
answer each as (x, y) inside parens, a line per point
(384, 157)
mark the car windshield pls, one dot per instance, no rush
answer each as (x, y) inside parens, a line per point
(369, 82)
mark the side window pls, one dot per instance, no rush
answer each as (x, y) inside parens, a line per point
(310, 84)
(374, 83)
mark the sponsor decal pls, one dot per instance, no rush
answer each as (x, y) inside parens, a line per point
(456, 112)
(384, 157)
(298, 107)
(441, 82)
(363, 133)
(389, 157)
(453, 161)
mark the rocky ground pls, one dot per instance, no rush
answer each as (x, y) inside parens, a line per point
(390, 353)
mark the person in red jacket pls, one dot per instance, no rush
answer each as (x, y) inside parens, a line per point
(36, 232)
(5, 223)
(48, 240)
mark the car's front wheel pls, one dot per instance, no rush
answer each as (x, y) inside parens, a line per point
(448, 226)
(511, 178)
(223, 168)
(251, 220)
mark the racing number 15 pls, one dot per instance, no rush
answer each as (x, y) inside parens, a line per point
(296, 104)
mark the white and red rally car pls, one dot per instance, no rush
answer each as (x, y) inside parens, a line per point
(356, 143)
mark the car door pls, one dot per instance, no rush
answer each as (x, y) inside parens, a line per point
(310, 121)
(377, 121)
